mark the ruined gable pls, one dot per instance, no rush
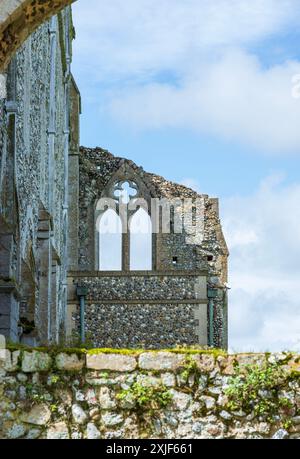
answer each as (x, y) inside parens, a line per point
(168, 305)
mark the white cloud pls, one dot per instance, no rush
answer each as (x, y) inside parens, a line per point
(233, 98)
(118, 37)
(263, 234)
(152, 64)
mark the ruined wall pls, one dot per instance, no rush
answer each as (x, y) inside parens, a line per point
(168, 305)
(34, 170)
(156, 395)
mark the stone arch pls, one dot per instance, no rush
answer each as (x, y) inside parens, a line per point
(19, 19)
(145, 192)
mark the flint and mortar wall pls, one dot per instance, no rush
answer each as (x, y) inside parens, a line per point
(142, 309)
(76, 395)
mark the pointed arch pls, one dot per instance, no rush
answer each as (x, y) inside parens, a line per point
(140, 230)
(110, 241)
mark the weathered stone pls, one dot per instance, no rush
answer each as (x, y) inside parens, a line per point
(205, 362)
(225, 415)
(222, 400)
(11, 361)
(209, 402)
(39, 415)
(294, 429)
(161, 361)
(215, 390)
(227, 365)
(281, 435)
(197, 427)
(113, 362)
(79, 416)
(64, 396)
(58, 431)
(22, 378)
(16, 431)
(94, 414)
(90, 397)
(296, 420)
(168, 379)
(212, 430)
(92, 433)
(112, 419)
(33, 434)
(69, 362)
(36, 361)
(107, 402)
(180, 400)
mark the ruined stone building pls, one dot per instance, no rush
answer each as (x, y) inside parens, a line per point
(158, 288)
(36, 140)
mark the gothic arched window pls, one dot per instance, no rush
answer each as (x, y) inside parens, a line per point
(110, 242)
(140, 230)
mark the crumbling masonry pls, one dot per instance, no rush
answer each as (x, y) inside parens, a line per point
(50, 191)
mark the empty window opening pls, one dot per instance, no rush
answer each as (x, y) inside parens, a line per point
(110, 242)
(210, 258)
(140, 227)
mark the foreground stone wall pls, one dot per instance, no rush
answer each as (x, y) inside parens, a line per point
(161, 395)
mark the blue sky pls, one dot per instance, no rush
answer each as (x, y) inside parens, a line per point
(201, 92)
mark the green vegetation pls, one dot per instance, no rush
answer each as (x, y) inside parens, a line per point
(190, 368)
(256, 389)
(85, 349)
(147, 397)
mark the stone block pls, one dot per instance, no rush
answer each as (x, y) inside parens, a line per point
(111, 419)
(35, 362)
(58, 431)
(180, 400)
(69, 362)
(227, 365)
(92, 433)
(79, 415)
(106, 400)
(161, 361)
(112, 362)
(39, 415)
(12, 361)
(205, 362)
